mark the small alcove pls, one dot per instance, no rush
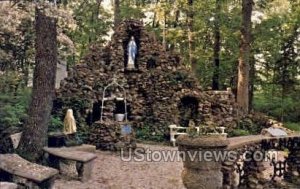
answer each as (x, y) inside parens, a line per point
(152, 61)
(120, 108)
(135, 32)
(94, 114)
(96, 111)
(188, 110)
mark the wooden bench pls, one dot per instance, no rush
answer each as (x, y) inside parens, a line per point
(174, 132)
(15, 169)
(81, 161)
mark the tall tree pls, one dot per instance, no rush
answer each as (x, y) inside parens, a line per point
(190, 24)
(117, 18)
(34, 136)
(244, 58)
(251, 80)
(217, 46)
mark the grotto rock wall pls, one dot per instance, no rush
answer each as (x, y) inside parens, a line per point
(160, 91)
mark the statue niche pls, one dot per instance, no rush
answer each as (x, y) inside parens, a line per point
(131, 53)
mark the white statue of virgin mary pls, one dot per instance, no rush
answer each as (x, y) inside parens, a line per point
(132, 50)
(69, 123)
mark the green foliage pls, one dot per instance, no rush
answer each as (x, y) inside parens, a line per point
(13, 108)
(245, 127)
(92, 25)
(238, 132)
(147, 134)
(56, 124)
(9, 82)
(293, 126)
(129, 11)
(284, 109)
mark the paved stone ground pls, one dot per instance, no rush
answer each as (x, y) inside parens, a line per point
(110, 172)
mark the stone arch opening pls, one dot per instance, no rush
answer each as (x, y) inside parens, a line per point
(152, 61)
(136, 33)
(188, 110)
(93, 114)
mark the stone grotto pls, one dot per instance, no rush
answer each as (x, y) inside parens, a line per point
(156, 92)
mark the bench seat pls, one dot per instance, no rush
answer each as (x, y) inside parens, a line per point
(67, 157)
(71, 154)
(8, 185)
(25, 172)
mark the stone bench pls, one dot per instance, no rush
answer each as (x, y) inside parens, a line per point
(71, 162)
(8, 185)
(15, 169)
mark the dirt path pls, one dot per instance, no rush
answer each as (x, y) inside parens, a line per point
(110, 172)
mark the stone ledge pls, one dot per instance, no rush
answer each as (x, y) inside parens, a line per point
(8, 185)
(212, 141)
(70, 154)
(15, 165)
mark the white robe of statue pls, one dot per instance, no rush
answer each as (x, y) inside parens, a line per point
(69, 123)
(132, 50)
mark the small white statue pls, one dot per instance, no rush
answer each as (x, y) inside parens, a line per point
(132, 51)
(69, 123)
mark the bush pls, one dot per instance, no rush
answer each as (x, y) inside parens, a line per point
(286, 109)
(13, 108)
(245, 127)
(239, 132)
(56, 124)
(145, 133)
(292, 126)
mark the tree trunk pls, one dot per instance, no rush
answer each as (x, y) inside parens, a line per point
(217, 46)
(251, 81)
(175, 24)
(190, 24)
(34, 136)
(164, 43)
(117, 10)
(244, 58)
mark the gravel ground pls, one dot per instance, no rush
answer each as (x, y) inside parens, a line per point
(110, 172)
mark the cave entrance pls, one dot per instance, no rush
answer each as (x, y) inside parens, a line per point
(188, 110)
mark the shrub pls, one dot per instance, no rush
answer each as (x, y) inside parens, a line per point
(286, 109)
(145, 133)
(292, 126)
(13, 108)
(56, 124)
(239, 132)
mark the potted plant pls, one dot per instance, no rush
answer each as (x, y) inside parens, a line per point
(198, 148)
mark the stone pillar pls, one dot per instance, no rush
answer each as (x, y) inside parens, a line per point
(254, 166)
(201, 169)
(254, 177)
(293, 162)
(231, 177)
